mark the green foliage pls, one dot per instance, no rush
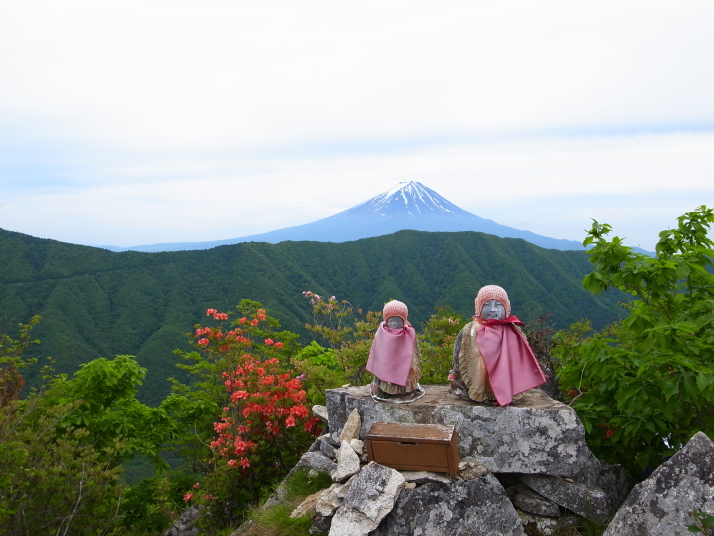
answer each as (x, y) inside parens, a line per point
(104, 392)
(321, 371)
(437, 345)
(152, 505)
(348, 333)
(703, 523)
(52, 484)
(52, 481)
(275, 520)
(644, 386)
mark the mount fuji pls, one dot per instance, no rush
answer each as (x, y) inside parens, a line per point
(409, 205)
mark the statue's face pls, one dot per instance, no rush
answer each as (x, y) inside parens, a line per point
(493, 309)
(395, 322)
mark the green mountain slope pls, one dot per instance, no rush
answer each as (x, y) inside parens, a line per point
(97, 303)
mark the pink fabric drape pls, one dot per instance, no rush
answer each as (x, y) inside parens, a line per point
(512, 367)
(390, 357)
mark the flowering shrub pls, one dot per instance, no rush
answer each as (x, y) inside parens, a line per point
(248, 415)
(265, 404)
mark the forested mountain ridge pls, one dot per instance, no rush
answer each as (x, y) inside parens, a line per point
(97, 303)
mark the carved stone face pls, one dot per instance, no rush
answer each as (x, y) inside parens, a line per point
(493, 309)
(395, 322)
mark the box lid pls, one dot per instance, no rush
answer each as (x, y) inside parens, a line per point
(426, 433)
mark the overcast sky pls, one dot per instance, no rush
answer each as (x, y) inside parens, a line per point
(137, 122)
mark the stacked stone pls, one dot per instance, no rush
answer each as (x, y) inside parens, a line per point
(523, 467)
(522, 464)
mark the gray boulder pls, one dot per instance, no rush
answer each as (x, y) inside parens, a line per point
(465, 508)
(184, 525)
(662, 504)
(612, 479)
(318, 461)
(584, 499)
(529, 501)
(547, 526)
(536, 435)
(326, 448)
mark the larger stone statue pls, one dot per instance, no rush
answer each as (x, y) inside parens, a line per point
(493, 361)
(394, 358)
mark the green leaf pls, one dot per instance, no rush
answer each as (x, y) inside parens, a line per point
(670, 388)
(704, 380)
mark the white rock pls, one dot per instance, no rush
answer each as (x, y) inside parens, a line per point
(422, 477)
(357, 445)
(347, 463)
(370, 498)
(308, 505)
(321, 412)
(352, 427)
(329, 501)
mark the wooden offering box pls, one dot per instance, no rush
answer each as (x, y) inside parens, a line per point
(414, 447)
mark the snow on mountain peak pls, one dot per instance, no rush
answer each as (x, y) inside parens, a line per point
(408, 199)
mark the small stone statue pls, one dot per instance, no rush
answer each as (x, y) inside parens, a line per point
(493, 361)
(394, 358)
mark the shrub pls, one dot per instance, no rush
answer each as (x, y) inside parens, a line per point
(644, 386)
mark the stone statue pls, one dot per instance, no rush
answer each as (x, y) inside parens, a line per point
(394, 358)
(493, 361)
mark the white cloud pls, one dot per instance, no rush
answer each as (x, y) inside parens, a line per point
(133, 122)
(239, 74)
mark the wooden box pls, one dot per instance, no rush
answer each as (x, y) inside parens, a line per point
(414, 447)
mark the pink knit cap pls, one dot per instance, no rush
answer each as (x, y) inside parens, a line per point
(395, 308)
(492, 292)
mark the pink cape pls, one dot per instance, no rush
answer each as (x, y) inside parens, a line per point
(512, 367)
(390, 357)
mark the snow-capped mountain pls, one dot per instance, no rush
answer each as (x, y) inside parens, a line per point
(409, 205)
(407, 199)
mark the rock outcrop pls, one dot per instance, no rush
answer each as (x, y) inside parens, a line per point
(536, 448)
(663, 504)
(525, 469)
